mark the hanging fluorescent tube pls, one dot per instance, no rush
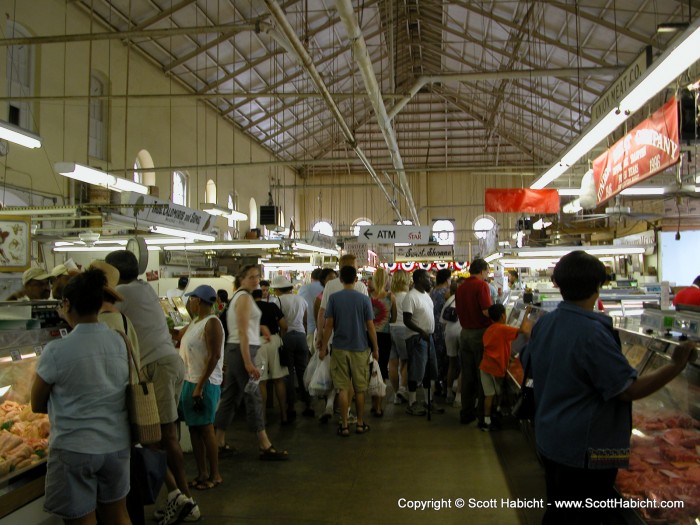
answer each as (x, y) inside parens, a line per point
(19, 136)
(96, 248)
(493, 257)
(215, 209)
(643, 191)
(312, 248)
(182, 233)
(569, 192)
(558, 251)
(679, 56)
(98, 177)
(236, 216)
(224, 246)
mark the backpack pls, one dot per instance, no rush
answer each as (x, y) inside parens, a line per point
(223, 314)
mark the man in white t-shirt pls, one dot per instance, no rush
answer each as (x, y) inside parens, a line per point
(419, 320)
(295, 311)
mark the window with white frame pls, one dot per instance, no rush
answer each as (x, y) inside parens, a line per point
(20, 78)
(97, 127)
(359, 222)
(179, 188)
(482, 225)
(323, 227)
(444, 231)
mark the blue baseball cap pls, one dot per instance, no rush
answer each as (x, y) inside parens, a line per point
(205, 292)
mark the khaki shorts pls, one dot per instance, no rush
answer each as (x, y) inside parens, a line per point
(491, 384)
(269, 356)
(350, 367)
(167, 375)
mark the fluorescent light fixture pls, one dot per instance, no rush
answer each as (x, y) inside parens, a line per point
(19, 136)
(493, 257)
(76, 248)
(312, 248)
(182, 233)
(35, 212)
(643, 191)
(560, 251)
(4, 390)
(544, 262)
(299, 267)
(541, 224)
(569, 192)
(683, 52)
(202, 246)
(572, 207)
(215, 209)
(98, 177)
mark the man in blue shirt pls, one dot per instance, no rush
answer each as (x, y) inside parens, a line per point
(584, 388)
(349, 316)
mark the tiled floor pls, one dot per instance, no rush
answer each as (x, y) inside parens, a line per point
(366, 479)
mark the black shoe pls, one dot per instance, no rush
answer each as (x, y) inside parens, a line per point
(435, 409)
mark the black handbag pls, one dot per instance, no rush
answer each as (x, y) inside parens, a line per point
(524, 407)
(285, 356)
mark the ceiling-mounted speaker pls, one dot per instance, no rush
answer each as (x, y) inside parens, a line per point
(268, 215)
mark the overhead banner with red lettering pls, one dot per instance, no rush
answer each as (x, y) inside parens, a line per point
(648, 149)
(521, 200)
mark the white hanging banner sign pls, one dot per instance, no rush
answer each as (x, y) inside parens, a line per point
(165, 213)
(423, 253)
(393, 233)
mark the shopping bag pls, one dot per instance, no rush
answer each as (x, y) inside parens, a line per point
(149, 467)
(141, 403)
(321, 382)
(310, 369)
(376, 387)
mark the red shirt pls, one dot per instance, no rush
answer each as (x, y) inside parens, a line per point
(690, 295)
(497, 339)
(472, 298)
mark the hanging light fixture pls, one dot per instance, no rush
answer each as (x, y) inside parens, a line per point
(19, 136)
(98, 177)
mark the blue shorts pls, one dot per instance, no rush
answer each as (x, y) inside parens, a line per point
(210, 400)
(77, 482)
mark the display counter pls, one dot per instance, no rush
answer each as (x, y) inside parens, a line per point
(23, 434)
(665, 455)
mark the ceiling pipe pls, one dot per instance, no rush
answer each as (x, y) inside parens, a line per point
(499, 75)
(300, 53)
(347, 15)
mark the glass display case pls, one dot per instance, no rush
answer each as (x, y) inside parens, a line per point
(23, 434)
(665, 455)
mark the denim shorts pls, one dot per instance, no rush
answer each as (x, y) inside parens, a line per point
(77, 482)
(421, 354)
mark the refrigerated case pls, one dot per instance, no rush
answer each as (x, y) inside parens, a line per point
(23, 434)
(665, 454)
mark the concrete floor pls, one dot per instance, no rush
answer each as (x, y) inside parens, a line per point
(367, 478)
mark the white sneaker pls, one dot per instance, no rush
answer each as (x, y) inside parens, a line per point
(193, 515)
(160, 513)
(176, 512)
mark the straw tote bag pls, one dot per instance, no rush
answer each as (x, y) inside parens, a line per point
(141, 404)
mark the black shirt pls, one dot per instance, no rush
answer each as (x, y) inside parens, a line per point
(271, 314)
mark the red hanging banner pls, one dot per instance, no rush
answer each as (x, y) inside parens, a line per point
(648, 149)
(521, 200)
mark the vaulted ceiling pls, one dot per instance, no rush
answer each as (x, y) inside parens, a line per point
(490, 85)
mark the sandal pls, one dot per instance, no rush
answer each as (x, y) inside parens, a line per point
(272, 454)
(227, 449)
(343, 431)
(361, 429)
(207, 484)
(194, 482)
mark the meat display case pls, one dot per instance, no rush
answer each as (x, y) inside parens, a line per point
(23, 434)
(665, 454)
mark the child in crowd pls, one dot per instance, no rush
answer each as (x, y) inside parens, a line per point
(494, 363)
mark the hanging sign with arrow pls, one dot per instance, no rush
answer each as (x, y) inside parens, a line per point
(393, 233)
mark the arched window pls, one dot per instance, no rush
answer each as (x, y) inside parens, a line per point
(253, 213)
(179, 188)
(20, 78)
(210, 192)
(359, 222)
(482, 225)
(97, 140)
(324, 228)
(444, 231)
(138, 175)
